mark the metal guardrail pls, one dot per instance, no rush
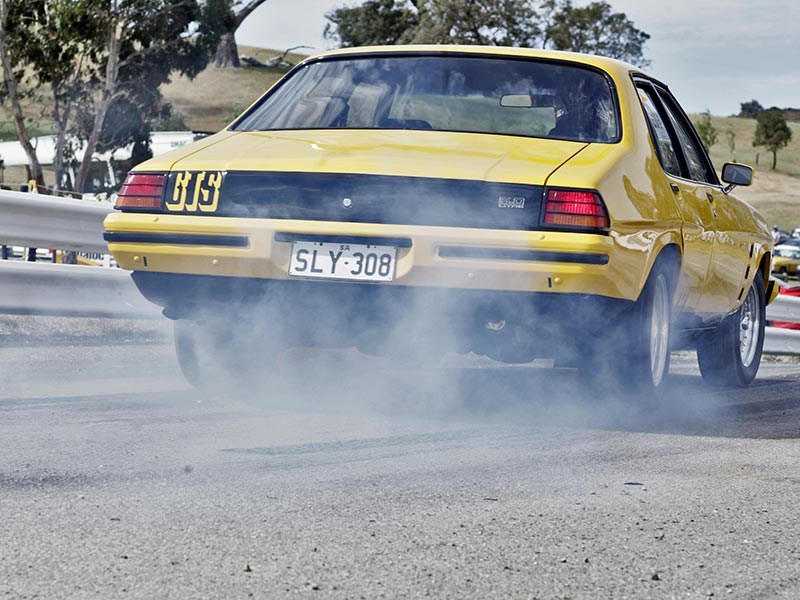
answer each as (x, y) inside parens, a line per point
(780, 340)
(31, 288)
(39, 221)
(70, 291)
(784, 308)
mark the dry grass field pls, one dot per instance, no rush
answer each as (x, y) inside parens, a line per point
(744, 152)
(216, 96)
(207, 103)
(775, 195)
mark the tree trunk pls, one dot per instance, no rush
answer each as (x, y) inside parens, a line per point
(774, 159)
(61, 122)
(227, 54)
(106, 98)
(13, 97)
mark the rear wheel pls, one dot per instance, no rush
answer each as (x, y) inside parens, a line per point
(216, 355)
(194, 348)
(731, 354)
(634, 360)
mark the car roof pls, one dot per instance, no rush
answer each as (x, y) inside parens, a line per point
(609, 65)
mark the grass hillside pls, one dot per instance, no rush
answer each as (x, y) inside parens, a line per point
(207, 103)
(744, 152)
(776, 194)
(216, 96)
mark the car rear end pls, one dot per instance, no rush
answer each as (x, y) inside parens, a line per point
(344, 225)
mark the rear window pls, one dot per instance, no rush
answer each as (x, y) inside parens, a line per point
(444, 93)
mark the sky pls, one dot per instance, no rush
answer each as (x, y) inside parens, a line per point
(713, 54)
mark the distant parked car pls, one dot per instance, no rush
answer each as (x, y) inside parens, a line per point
(786, 260)
(791, 242)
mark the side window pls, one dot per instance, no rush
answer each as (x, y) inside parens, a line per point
(699, 167)
(663, 140)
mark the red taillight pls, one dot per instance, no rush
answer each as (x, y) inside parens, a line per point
(575, 208)
(141, 190)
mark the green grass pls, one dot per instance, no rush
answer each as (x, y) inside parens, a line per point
(8, 132)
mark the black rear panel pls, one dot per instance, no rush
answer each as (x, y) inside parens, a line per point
(376, 199)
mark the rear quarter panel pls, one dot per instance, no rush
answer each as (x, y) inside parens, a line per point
(644, 215)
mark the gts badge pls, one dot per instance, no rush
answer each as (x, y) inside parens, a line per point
(195, 192)
(511, 202)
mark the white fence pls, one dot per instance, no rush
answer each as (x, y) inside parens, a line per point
(71, 290)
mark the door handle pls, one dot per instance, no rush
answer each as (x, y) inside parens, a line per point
(674, 187)
(710, 196)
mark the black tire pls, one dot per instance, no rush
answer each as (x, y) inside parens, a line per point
(730, 355)
(633, 361)
(193, 348)
(215, 355)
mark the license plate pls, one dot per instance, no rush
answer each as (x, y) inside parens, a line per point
(327, 260)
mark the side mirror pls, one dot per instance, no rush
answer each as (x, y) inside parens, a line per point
(734, 174)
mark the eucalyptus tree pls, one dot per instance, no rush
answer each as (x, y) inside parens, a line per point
(772, 131)
(555, 24)
(96, 59)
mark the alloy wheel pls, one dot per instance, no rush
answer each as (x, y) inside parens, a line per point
(749, 326)
(659, 330)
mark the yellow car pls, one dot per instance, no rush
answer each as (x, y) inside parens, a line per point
(786, 260)
(415, 200)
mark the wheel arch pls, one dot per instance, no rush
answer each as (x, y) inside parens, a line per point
(765, 267)
(667, 247)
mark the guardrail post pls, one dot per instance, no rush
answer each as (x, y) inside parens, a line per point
(30, 253)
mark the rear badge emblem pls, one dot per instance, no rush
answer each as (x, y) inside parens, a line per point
(347, 203)
(511, 202)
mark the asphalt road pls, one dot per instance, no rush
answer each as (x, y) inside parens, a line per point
(352, 479)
